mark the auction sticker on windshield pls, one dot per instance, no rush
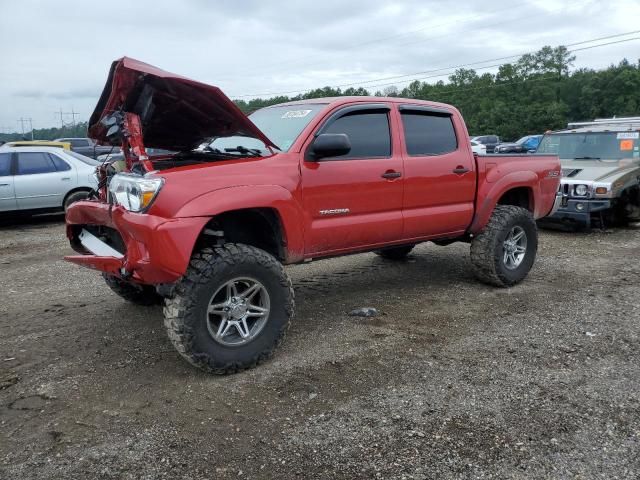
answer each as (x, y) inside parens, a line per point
(296, 113)
(628, 135)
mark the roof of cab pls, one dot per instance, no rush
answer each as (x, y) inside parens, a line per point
(365, 99)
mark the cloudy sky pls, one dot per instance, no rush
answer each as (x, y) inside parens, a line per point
(55, 55)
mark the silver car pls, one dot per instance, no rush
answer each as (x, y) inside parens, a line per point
(600, 171)
(42, 179)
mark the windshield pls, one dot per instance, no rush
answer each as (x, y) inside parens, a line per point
(592, 145)
(281, 125)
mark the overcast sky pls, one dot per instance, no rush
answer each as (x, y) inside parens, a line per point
(56, 55)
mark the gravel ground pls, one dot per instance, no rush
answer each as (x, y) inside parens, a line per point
(453, 379)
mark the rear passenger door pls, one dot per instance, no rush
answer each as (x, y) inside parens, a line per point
(440, 177)
(7, 191)
(41, 180)
(354, 200)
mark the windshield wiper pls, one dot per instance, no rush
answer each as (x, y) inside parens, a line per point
(245, 151)
(587, 158)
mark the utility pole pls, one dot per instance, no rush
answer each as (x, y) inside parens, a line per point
(73, 115)
(31, 127)
(21, 121)
(61, 113)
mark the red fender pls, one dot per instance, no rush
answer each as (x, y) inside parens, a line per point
(248, 196)
(492, 192)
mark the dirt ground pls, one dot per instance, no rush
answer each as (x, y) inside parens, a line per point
(453, 379)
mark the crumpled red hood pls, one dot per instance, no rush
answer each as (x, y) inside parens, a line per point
(176, 113)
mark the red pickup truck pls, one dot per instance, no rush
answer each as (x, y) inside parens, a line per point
(207, 229)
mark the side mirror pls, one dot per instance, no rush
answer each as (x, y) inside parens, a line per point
(330, 145)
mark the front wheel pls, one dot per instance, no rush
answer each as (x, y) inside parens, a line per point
(231, 309)
(504, 252)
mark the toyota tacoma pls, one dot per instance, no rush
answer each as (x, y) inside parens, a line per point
(206, 230)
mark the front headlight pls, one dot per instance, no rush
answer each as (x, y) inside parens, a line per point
(134, 192)
(581, 190)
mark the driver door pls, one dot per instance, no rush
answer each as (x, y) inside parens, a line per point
(354, 200)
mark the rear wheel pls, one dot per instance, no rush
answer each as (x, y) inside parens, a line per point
(395, 253)
(504, 252)
(231, 309)
(139, 294)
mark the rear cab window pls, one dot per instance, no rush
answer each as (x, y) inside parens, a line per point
(427, 131)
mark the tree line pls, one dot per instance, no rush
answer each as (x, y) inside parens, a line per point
(538, 92)
(67, 131)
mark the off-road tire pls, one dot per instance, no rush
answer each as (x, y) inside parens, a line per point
(75, 197)
(145, 295)
(487, 250)
(185, 312)
(395, 253)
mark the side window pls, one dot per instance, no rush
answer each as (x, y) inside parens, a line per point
(368, 132)
(60, 164)
(5, 164)
(79, 142)
(428, 133)
(34, 162)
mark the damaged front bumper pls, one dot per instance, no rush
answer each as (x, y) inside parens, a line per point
(141, 248)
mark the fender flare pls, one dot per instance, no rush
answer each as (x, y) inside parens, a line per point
(244, 197)
(490, 193)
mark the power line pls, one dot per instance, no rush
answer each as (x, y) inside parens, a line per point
(484, 26)
(483, 61)
(501, 64)
(22, 121)
(348, 48)
(443, 69)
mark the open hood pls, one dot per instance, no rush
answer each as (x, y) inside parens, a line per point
(176, 113)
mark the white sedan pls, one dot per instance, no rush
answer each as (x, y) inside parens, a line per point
(477, 147)
(43, 179)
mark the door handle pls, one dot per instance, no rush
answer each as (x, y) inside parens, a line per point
(65, 178)
(4, 184)
(460, 169)
(391, 174)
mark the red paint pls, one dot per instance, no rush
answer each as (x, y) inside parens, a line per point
(429, 201)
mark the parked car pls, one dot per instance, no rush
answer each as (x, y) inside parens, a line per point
(527, 144)
(489, 141)
(38, 143)
(292, 183)
(600, 171)
(43, 179)
(478, 148)
(87, 147)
